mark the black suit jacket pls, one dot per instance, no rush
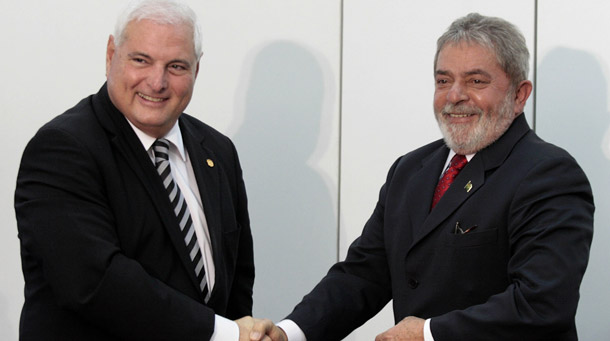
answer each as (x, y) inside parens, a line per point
(101, 251)
(516, 276)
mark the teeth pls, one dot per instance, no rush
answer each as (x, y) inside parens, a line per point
(459, 115)
(152, 99)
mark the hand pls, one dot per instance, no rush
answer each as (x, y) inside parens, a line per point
(411, 328)
(251, 329)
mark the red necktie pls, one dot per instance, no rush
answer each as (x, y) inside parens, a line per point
(455, 166)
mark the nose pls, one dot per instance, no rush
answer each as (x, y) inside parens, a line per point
(157, 79)
(457, 93)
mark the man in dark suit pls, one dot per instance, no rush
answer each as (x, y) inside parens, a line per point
(111, 248)
(499, 256)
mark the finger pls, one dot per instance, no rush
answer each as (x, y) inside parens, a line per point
(260, 328)
(255, 336)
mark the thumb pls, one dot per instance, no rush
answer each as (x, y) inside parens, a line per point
(260, 328)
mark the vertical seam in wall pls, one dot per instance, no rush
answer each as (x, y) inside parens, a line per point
(340, 95)
(535, 65)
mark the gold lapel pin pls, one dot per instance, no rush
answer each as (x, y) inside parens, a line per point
(468, 186)
(210, 163)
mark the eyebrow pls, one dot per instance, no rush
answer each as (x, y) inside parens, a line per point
(138, 54)
(467, 73)
(478, 72)
(142, 54)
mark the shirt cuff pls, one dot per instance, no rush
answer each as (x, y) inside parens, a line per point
(427, 331)
(292, 330)
(225, 329)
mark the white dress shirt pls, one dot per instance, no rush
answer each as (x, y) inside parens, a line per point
(184, 176)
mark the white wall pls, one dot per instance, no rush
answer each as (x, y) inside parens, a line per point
(573, 111)
(273, 78)
(52, 55)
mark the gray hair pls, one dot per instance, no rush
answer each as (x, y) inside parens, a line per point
(498, 35)
(167, 12)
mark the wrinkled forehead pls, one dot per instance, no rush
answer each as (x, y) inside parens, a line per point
(469, 45)
(472, 53)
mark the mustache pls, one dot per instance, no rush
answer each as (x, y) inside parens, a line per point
(461, 109)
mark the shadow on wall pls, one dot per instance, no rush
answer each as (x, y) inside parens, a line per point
(571, 111)
(291, 210)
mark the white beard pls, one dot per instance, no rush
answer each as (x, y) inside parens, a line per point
(468, 139)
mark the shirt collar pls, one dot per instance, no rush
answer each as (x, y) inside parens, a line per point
(450, 156)
(174, 136)
(452, 153)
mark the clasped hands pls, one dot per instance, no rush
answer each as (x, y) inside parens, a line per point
(251, 329)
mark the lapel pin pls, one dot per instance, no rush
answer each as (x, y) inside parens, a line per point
(210, 163)
(468, 186)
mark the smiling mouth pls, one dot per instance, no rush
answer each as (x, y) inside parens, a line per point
(458, 115)
(149, 98)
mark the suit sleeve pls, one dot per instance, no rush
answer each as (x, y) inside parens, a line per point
(354, 290)
(67, 229)
(550, 230)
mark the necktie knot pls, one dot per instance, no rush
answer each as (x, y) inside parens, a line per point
(161, 150)
(458, 161)
(456, 164)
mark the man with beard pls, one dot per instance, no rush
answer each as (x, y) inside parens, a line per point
(498, 253)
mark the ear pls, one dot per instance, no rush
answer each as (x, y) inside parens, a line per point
(197, 70)
(522, 93)
(110, 49)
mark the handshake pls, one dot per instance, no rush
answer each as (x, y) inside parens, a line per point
(251, 329)
(411, 328)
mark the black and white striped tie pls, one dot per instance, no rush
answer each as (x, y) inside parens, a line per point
(161, 149)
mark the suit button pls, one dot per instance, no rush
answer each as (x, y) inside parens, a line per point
(413, 283)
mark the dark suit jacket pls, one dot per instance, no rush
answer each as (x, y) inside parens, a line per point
(101, 250)
(516, 276)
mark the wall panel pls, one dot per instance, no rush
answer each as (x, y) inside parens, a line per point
(572, 110)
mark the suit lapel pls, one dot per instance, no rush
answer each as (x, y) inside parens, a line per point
(468, 181)
(425, 179)
(206, 168)
(129, 147)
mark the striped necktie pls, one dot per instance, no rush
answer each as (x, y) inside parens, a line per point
(161, 150)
